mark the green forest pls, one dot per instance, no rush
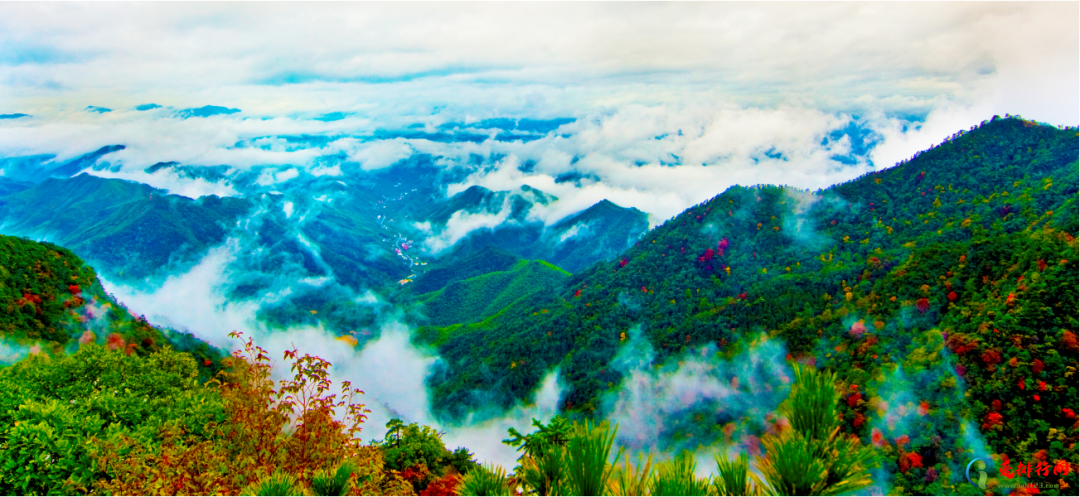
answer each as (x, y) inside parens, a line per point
(954, 272)
(927, 315)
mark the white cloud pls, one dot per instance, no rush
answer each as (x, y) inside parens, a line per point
(899, 144)
(574, 231)
(191, 301)
(484, 438)
(387, 59)
(746, 389)
(326, 171)
(459, 225)
(380, 154)
(270, 177)
(634, 153)
(172, 182)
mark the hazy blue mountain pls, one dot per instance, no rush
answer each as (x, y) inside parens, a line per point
(575, 242)
(362, 227)
(206, 111)
(597, 233)
(25, 167)
(35, 168)
(9, 186)
(120, 226)
(73, 167)
(318, 239)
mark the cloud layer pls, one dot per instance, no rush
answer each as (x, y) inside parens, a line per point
(673, 102)
(531, 58)
(659, 158)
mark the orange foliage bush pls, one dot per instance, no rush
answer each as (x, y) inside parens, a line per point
(993, 419)
(922, 305)
(449, 484)
(290, 427)
(991, 358)
(1068, 340)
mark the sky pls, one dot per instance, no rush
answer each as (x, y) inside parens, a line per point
(540, 58)
(673, 102)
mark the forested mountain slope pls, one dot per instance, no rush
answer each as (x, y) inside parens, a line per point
(50, 301)
(320, 239)
(573, 243)
(473, 299)
(122, 225)
(98, 401)
(960, 263)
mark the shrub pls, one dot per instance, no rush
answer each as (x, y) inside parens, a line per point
(733, 477)
(813, 458)
(630, 478)
(278, 483)
(676, 477)
(486, 480)
(586, 467)
(335, 482)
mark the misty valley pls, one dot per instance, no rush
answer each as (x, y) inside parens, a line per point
(405, 313)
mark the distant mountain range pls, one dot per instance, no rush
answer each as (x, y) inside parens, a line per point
(122, 226)
(359, 231)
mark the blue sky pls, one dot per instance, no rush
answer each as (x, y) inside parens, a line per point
(739, 92)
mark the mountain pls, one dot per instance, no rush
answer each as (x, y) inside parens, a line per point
(73, 167)
(9, 186)
(449, 269)
(95, 397)
(955, 270)
(480, 200)
(573, 243)
(341, 234)
(36, 168)
(25, 168)
(473, 299)
(206, 111)
(53, 301)
(371, 233)
(123, 226)
(580, 243)
(940, 292)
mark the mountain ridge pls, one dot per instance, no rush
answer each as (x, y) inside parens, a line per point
(742, 257)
